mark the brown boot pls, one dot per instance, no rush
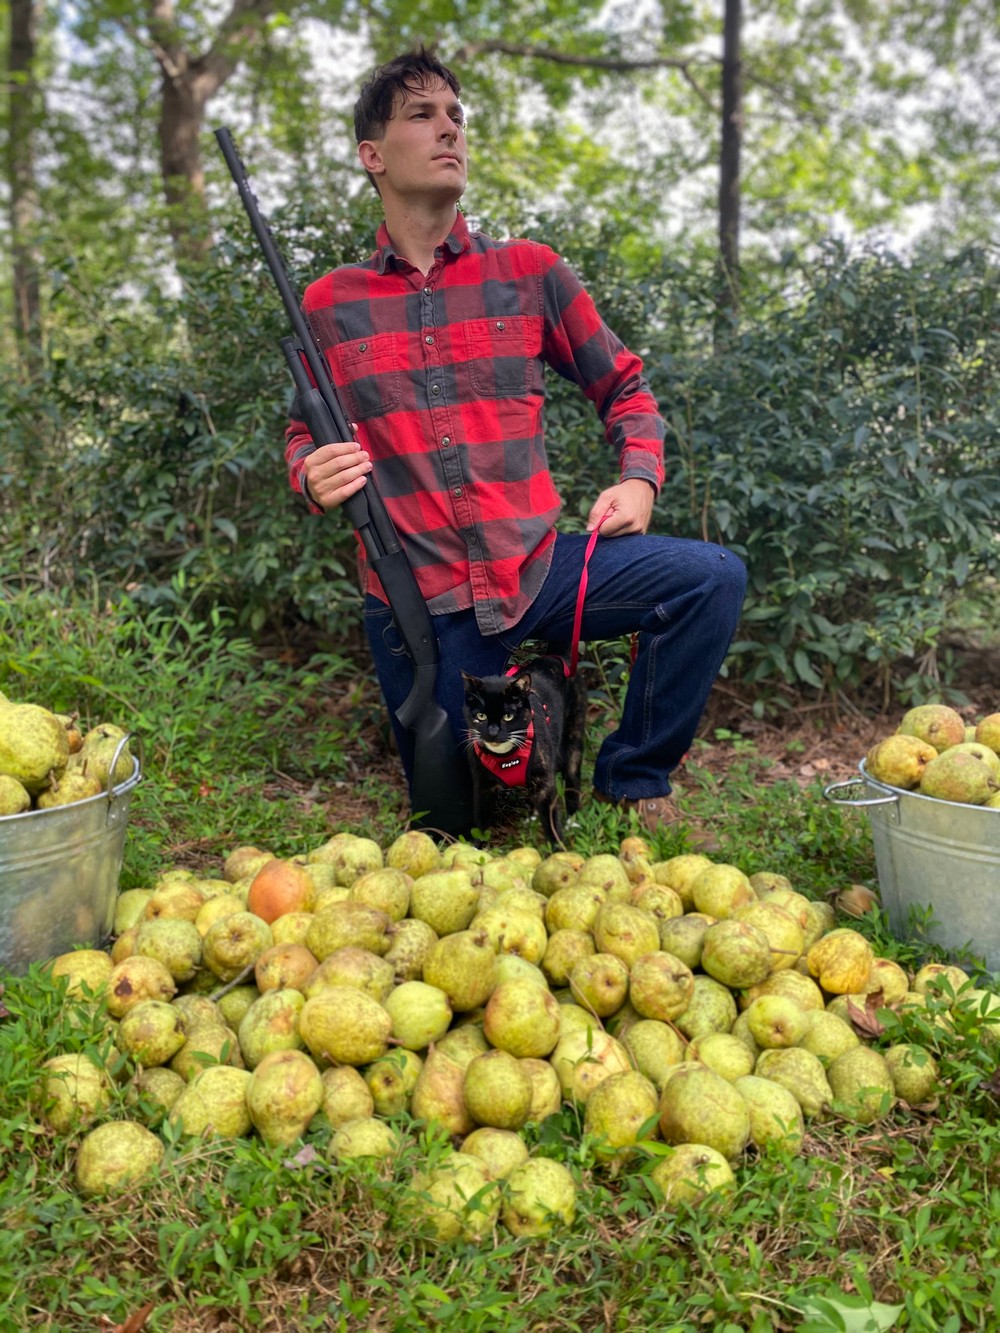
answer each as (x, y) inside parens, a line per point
(662, 812)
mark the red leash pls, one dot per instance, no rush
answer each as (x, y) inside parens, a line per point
(570, 669)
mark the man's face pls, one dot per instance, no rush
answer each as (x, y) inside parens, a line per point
(422, 151)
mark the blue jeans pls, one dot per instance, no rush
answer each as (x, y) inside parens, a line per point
(682, 596)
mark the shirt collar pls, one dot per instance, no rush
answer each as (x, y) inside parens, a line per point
(456, 241)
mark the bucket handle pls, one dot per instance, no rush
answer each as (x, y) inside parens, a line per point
(110, 790)
(828, 792)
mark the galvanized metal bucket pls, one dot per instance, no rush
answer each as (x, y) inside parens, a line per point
(934, 854)
(59, 872)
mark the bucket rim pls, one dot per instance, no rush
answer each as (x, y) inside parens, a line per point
(122, 789)
(900, 792)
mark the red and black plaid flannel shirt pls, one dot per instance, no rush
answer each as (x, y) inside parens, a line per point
(443, 375)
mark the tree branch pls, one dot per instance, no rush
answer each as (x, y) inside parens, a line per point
(612, 64)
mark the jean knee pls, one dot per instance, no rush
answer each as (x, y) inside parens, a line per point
(729, 575)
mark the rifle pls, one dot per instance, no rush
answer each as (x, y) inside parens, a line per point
(441, 789)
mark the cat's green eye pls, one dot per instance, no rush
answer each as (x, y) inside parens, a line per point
(480, 717)
(508, 717)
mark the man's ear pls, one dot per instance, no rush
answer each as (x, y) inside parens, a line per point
(371, 157)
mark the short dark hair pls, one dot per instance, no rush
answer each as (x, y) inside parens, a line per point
(408, 73)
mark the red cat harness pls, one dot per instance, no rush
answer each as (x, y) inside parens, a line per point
(512, 769)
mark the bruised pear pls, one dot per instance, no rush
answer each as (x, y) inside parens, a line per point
(214, 1104)
(736, 953)
(841, 961)
(346, 1096)
(899, 760)
(727, 1054)
(625, 931)
(410, 942)
(14, 797)
(522, 1018)
(599, 983)
(73, 786)
(698, 1105)
(415, 853)
(619, 1112)
(497, 1091)
(464, 966)
(583, 1058)
(115, 1157)
(540, 1195)
(420, 1014)
(455, 1199)
(914, 1073)
(391, 1080)
(959, 776)
(270, 1024)
(499, 1150)
(283, 1094)
(801, 1073)
(152, 1032)
(364, 1137)
(936, 724)
(775, 1114)
(33, 746)
(691, 1173)
(438, 1096)
(654, 1048)
(863, 1090)
(345, 1026)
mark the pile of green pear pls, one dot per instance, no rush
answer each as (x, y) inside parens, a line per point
(935, 752)
(47, 760)
(354, 995)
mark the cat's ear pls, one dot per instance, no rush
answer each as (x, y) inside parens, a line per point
(470, 681)
(523, 682)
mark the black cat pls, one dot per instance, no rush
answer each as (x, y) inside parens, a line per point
(523, 730)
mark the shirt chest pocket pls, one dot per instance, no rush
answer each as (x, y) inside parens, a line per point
(502, 356)
(370, 371)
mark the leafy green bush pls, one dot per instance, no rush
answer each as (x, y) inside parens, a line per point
(847, 446)
(844, 440)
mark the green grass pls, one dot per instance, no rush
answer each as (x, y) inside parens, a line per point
(899, 1222)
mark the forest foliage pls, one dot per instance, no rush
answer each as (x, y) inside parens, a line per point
(841, 432)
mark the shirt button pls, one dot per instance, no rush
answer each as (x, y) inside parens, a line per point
(429, 338)
(435, 388)
(501, 325)
(427, 291)
(362, 347)
(446, 440)
(457, 492)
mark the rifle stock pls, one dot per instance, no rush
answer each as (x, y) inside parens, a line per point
(441, 795)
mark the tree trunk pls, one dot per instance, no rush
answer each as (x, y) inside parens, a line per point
(182, 115)
(22, 192)
(728, 299)
(187, 84)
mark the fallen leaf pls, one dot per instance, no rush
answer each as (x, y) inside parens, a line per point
(136, 1321)
(864, 1019)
